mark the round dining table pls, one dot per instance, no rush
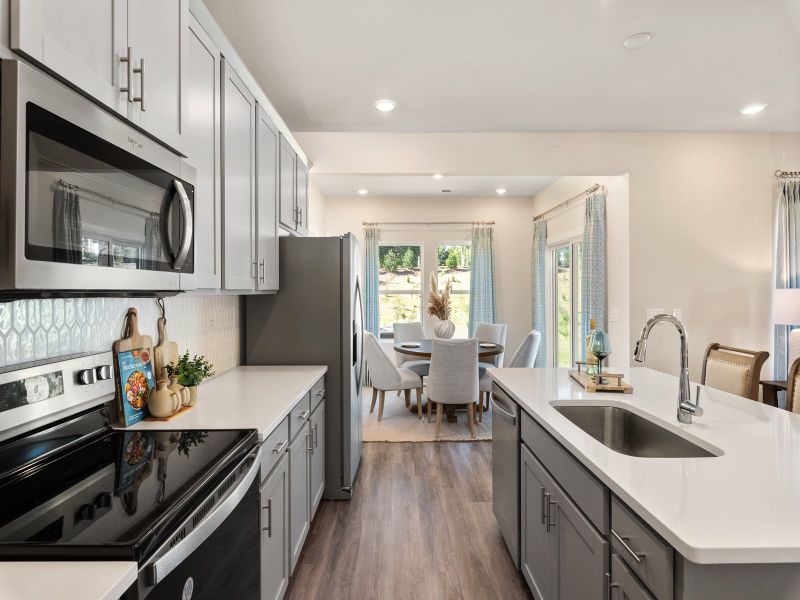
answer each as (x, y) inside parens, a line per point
(422, 349)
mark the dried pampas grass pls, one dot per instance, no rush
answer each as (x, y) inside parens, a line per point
(439, 303)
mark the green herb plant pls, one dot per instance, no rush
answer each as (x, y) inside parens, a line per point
(190, 371)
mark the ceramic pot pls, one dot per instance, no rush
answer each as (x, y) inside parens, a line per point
(163, 402)
(192, 395)
(443, 329)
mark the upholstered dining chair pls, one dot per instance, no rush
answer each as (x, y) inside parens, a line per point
(494, 333)
(410, 332)
(453, 378)
(384, 376)
(733, 370)
(793, 387)
(523, 358)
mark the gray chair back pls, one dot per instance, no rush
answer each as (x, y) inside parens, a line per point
(494, 333)
(525, 355)
(453, 378)
(406, 332)
(382, 373)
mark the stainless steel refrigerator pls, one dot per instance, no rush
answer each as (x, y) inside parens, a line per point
(316, 318)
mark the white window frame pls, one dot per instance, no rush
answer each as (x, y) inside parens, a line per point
(421, 292)
(552, 320)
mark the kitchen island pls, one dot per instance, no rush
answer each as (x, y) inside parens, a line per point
(724, 522)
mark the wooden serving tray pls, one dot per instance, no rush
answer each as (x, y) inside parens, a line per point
(180, 411)
(614, 382)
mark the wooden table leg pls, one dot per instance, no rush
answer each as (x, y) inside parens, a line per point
(770, 395)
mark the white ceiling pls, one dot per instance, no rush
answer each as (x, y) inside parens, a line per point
(425, 186)
(521, 65)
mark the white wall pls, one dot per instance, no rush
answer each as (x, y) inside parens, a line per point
(512, 240)
(701, 211)
(316, 211)
(567, 223)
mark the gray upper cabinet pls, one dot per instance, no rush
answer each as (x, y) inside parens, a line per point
(157, 33)
(87, 42)
(301, 180)
(267, 148)
(238, 182)
(275, 532)
(201, 136)
(288, 207)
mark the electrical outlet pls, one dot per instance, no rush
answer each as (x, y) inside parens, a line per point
(652, 312)
(613, 314)
(677, 313)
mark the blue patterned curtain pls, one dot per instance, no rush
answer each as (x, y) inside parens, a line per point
(593, 277)
(539, 288)
(787, 262)
(371, 280)
(481, 284)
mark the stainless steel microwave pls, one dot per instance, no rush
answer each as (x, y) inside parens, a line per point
(87, 203)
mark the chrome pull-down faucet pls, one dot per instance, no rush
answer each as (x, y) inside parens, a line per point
(686, 408)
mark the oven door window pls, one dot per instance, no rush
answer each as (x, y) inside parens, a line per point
(92, 203)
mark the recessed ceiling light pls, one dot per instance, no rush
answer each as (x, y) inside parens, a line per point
(363, 192)
(752, 109)
(500, 191)
(636, 41)
(437, 175)
(385, 105)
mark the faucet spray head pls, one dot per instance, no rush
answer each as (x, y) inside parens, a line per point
(640, 350)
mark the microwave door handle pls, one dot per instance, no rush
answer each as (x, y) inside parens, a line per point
(188, 227)
(162, 566)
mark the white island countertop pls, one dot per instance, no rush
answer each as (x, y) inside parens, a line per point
(739, 507)
(251, 397)
(101, 580)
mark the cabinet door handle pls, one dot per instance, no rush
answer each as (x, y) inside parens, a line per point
(140, 70)
(309, 443)
(316, 436)
(300, 216)
(623, 542)
(129, 64)
(268, 508)
(545, 498)
(550, 514)
(320, 394)
(304, 415)
(261, 270)
(279, 448)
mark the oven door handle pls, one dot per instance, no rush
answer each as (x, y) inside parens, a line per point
(163, 565)
(188, 226)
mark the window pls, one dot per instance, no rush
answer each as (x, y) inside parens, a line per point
(109, 253)
(453, 262)
(566, 325)
(399, 285)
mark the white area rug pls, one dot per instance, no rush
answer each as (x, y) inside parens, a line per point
(401, 425)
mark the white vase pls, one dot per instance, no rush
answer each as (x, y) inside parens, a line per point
(443, 329)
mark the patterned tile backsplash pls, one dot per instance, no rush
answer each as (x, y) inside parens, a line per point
(43, 329)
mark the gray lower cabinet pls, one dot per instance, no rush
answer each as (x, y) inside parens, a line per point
(299, 481)
(624, 584)
(563, 556)
(317, 470)
(275, 532)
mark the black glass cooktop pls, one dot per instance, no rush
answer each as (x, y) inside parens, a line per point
(82, 490)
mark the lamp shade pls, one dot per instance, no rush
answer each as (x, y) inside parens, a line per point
(786, 306)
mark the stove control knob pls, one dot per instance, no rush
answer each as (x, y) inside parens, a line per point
(103, 372)
(103, 500)
(86, 376)
(85, 513)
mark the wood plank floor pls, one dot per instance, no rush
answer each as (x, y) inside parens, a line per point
(420, 526)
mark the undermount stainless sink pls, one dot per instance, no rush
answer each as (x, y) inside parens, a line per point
(627, 433)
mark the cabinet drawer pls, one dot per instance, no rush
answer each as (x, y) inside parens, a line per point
(624, 585)
(274, 448)
(299, 416)
(650, 557)
(585, 489)
(317, 393)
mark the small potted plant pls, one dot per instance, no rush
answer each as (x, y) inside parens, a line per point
(190, 372)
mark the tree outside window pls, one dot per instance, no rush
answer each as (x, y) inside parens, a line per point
(399, 285)
(453, 262)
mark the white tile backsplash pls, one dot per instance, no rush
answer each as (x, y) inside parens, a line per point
(54, 327)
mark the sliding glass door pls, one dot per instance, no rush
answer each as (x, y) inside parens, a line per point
(566, 314)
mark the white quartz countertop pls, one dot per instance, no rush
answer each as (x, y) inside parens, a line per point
(245, 398)
(104, 580)
(740, 507)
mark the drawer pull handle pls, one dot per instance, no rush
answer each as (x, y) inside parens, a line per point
(550, 514)
(637, 557)
(281, 447)
(316, 435)
(320, 393)
(309, 443)
(268, 508)
(545, 498)
(304, 415)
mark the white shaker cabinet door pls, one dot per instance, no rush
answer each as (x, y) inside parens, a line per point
(301, 180)
(81, 41)
(202, 142)
(238, 182)
(267, 144)
(287, 197)
(158, 32)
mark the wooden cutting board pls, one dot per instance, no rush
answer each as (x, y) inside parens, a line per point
(142, 346)
(165, 352)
